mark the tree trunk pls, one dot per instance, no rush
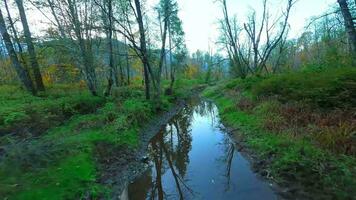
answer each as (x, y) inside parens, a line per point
(16, 38)
(60, 27)
(30, 47)
(144, 56)
(163, 48)
(349, 26)
(111, 53)
(21, 72)
(171, 59)
(85, 51)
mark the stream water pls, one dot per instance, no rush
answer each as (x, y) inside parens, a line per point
(193, 158)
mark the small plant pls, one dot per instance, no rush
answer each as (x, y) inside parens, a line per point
(15, 117)
(137, 110)
(340, 139)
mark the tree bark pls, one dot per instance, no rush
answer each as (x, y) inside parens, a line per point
(349, 26)
(21, 72)
(143, 45)
(30, 47)
(111, 53)
(16, 38)
(171, 59)
(127, 63)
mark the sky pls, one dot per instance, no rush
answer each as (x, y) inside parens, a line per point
(200, 17)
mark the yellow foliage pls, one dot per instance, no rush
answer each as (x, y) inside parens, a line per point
(61, 73)
(191, 71)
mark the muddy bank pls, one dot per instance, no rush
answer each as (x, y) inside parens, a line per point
(119, 166)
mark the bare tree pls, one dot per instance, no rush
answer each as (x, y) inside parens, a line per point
(273, 35)
(230, 34)
(262, 38)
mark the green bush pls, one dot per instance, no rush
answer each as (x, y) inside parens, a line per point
(327, 88)
(121, 93)
(15, 117)
(137, 110)
(17, 107)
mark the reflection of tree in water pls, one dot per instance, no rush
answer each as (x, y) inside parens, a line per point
(170, 154)
(229, 149)
(184, 139)
(208, 109)
(170, 149)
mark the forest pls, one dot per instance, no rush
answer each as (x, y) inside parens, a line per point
(105, 99)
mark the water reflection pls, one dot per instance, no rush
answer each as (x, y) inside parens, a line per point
(193, 159)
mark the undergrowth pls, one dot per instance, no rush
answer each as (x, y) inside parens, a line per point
(60, 162)
(303, 127)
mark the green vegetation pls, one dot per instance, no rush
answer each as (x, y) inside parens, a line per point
(77, 87)
(60, 158)
(305, 136)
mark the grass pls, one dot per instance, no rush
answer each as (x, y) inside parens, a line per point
(290, 157)
(20, 109)
(60, 162)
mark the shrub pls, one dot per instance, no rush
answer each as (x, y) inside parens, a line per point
(15, 117)
(340, 139)
(137, 110)
(121, 93)
(325, 89)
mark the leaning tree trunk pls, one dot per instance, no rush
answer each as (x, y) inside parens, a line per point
(21, 72)
(30, 47)
(349, 26)
(15, 35)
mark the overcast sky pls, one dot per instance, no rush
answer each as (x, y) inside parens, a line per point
(200, 17)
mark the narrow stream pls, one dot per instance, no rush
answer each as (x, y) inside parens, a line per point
(192, 158)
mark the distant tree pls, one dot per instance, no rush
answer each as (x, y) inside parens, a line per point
(253, 56)
(177, 47)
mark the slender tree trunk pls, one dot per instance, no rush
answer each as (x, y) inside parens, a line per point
(163, 49)
(127, 63)
(171, 59)
(85, 51)
(60, 27)
(143, 45)
(21, 72)
(111, 55)
(349, 26)
(30, 47)
(16, 38)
